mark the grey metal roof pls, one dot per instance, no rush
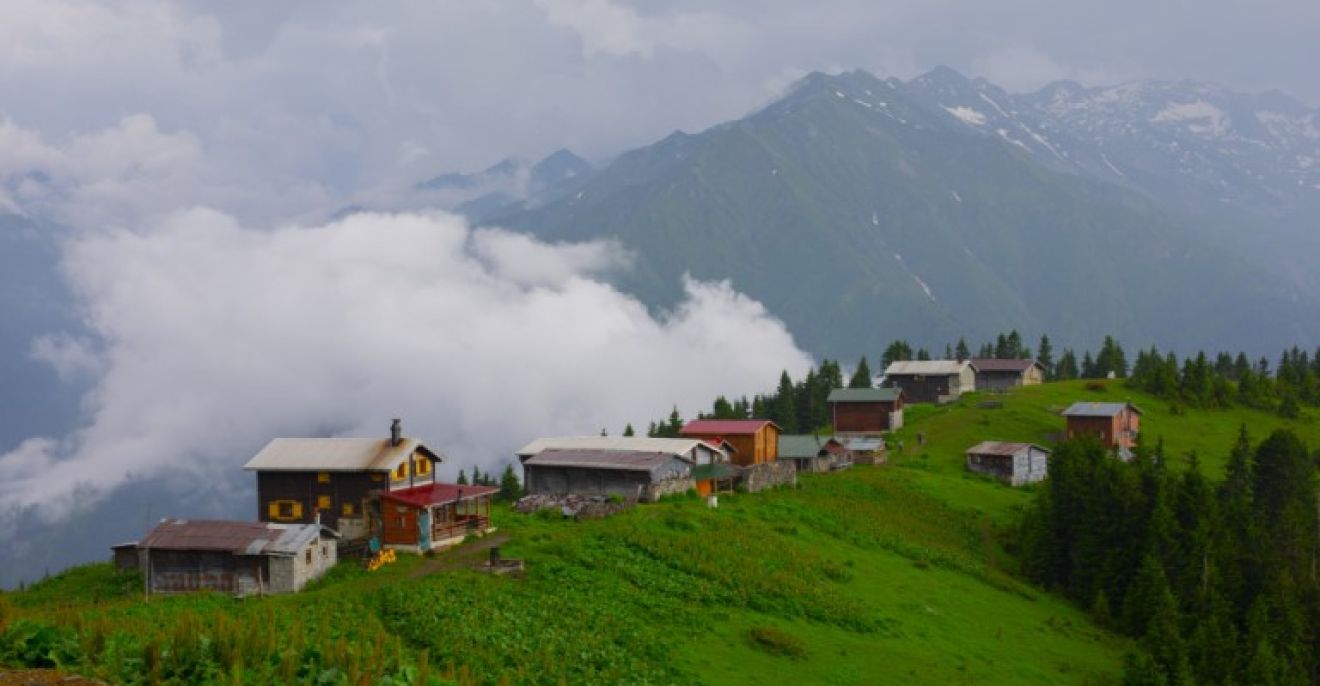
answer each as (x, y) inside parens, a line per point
(797, 446)
(336, 454)
(620, 460)
(239, 538)
(865, 444)
(674, 446)
(984, 364)
(1083, 409)
(1002, 448)
(864, 395)
(926, 368)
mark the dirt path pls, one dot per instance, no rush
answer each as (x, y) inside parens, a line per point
(43, 677)
(468, 556)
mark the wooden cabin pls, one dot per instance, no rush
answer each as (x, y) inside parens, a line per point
(646, 476)
(712, 468)
(811, 453)
(931, 381)
(1015, 464)
(865, 411)
(755, 441)
(239, 558)
(867, 450)
(337, 478)
(434, 516)
(1116, 425)
(1002, 375)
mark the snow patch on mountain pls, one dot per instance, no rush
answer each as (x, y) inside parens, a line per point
(1201, 117)
(967, 115)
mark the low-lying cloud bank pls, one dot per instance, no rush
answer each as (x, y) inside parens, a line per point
(212, 338)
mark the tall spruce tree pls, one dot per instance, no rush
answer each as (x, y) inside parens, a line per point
(861, 377)
(1045, 355)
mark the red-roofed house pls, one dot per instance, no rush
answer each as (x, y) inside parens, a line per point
(756, 440)
(434, 516)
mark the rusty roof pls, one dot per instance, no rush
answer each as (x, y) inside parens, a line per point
(986, 364)
(336, 455)
(238, 538)
(438, 494)
(725, 427)
(621, 460)
(1001, 448)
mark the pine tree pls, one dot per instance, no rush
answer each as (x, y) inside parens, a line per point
(1066, 369)
(923, 354)
(961, 349)
(674, 427)
(861, 378)
(1045, 354)
(628, 431)
(462, 478)
(1140, 669)
(510, 488)
(783, 409)
(898, 351)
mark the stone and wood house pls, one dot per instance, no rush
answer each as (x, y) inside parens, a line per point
(811, 453)
(240, 558)
(754, 441)
(869, 450)
(1015, 464)
(645, 476)
(712, 470)
(1003, 375)
(931, 381)
(337, 479)
(865, 411)
(1115, 425)
(434, 516)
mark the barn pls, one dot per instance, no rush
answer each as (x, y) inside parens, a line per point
(239, 558)
(1013, 463)
(865, 411)
(810, 453)
(1003, 375)
(931, 381)
(646, 476)
(1116, 425)
(711, 460)
(755, 441)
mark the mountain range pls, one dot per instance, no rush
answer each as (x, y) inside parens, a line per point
(862, 209)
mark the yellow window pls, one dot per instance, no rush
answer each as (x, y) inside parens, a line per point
(346, 510)
(323, 477)
(284, 510)
(323, 502)
(402, 471)
(423, 466)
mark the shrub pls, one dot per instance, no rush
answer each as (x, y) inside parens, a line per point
(777, 642)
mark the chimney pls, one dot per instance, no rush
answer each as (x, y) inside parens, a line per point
(396, 432)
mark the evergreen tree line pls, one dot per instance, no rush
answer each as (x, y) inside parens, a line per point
(1231, 380)
(508, 483)
(1009, 346)
(1217, 582)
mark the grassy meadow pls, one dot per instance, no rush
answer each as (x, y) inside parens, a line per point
(898, 574)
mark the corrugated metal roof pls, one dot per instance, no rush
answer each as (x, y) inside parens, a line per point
(925, 368)
(438, 494)
(336, 454)
(622, 460)
(985, 364)
(864, 444)
(802, 445)
(239, 538)
(675, 446)
(1084, 409)
(864, 395)
(724, 427)
(1001, 448)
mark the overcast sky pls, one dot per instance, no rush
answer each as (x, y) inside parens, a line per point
(311, 102)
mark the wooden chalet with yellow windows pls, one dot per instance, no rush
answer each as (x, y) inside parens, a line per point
(338, 478)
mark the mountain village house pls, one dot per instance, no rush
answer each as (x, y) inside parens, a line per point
(1116, 425)
(1013, 463)
(811, 453)
(337, 478)
(242, 558)
(754, 441)
(1002, 375)
(642, 467)
(931, 381)
(434, 516)
(865, 411)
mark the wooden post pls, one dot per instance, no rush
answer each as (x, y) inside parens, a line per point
(146, 575)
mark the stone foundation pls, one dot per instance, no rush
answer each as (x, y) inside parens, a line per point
(759, 477)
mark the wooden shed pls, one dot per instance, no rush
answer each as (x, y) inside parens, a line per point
(865, 411)
(646, 476)
(811, 453)
(931, 381)
(1116, 425)
(1002, 375)
(1013, 463)
(434, 516)
(337, 478)
(756, 441)
(240, 558)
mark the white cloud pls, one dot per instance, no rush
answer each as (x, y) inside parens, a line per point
(215, 338)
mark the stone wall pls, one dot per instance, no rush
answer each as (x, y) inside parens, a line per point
(576, 506)
(660, 489)
(769, 475)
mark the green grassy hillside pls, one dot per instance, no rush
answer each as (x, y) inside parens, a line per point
(894, 574)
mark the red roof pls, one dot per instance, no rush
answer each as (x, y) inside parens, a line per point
(724, 427)
(437, 494)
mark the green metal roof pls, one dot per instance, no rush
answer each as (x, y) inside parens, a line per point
(718, 470)
(798, 446)
(864, 395)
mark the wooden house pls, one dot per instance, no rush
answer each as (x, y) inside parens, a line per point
(1002, 375)
(755, 441)
(865, 411)
(867, 450)
(1115, 425)
(434, 516)
(646, 476)
(240, 558)
(1013, 463)
(931, 381)
(337, 478)
(712, 468)
(811, 453)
